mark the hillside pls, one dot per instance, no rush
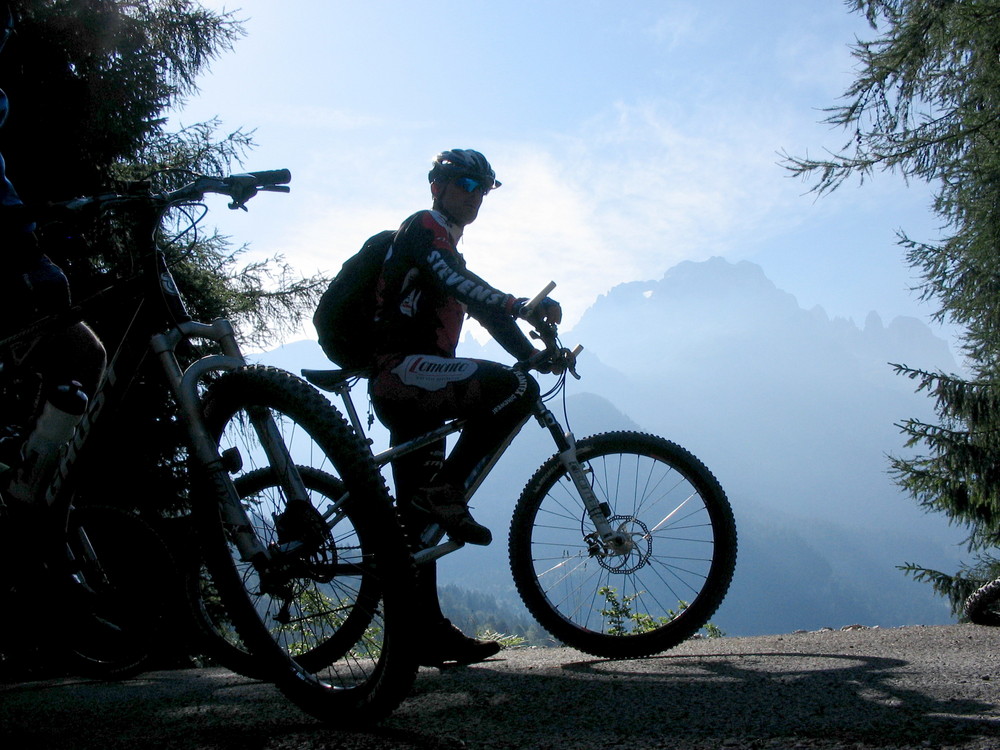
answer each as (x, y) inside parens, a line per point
(794, 413)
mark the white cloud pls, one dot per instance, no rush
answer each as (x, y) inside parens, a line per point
(625, 199)
(596, 191)
(629, 195)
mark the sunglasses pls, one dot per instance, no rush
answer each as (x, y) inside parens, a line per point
(470, 185)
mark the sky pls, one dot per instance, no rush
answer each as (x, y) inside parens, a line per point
(629, 137)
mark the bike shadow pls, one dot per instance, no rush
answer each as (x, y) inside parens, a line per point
(682, 701)
(719, 698)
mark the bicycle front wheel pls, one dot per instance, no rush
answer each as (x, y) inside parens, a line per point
(338, 601)
(653, 591)
(331, 598)
(983, 606)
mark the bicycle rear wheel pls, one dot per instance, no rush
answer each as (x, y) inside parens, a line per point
(325, 615)
(130, 582)
(667, 581)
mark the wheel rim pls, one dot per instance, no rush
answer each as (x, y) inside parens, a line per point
(660, 573)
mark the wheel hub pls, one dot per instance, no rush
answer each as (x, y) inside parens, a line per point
(631, 549)
(304, 544)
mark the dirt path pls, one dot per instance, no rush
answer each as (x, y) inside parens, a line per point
(920, 687)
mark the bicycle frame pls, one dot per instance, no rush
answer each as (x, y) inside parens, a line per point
(608, 541)
(183, 383)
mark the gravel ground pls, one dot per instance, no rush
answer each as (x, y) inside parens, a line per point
(916, 687)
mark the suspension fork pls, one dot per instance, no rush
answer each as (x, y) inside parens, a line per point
(598, 512)
(184, 384)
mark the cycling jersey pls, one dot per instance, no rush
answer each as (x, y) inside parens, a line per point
(423, 295)
(8, 196)
(426, 290)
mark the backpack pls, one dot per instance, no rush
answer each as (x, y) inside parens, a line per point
(345, 317)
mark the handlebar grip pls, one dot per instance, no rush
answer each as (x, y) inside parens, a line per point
(531, 304)
(271, 177)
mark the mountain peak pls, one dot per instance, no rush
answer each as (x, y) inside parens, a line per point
(716, 308)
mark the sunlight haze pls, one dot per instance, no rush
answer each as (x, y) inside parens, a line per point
(628, 136)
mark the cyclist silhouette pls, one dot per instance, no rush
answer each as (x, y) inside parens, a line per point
(32, 286)
(424, 293)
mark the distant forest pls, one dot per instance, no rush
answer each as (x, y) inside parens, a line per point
(479, 612)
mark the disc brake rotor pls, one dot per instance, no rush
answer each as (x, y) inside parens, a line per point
(631, 556)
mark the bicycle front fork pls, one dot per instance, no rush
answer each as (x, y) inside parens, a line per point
(184, 384)
(606, 540)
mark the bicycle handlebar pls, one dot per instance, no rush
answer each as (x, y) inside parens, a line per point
(240, 187)
(554, 356)
(269, 177)
(528, 308)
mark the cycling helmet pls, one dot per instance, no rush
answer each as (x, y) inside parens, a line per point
(462, 162)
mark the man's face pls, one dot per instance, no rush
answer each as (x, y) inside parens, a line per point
(460, 198)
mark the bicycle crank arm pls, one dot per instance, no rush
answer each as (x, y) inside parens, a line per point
(430, 554)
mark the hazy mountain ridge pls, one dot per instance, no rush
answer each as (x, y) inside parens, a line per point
(714, 306)
(794, 412)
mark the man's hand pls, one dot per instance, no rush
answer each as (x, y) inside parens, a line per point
(48, 286)
(33, 287)
(547, 363)
(547, 311)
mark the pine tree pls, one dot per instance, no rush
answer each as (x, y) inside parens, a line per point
(926, 104)
(90, 84)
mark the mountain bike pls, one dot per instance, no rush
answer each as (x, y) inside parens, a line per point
(621, 544)
(308, 573)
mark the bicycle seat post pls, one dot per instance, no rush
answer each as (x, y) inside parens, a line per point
(343, 389)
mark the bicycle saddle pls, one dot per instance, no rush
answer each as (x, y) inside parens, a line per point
(329, 380)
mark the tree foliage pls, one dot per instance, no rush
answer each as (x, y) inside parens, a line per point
(925, 104)
(90, 84)
(89, 81)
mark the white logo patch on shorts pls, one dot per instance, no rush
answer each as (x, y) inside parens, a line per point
(433, 373)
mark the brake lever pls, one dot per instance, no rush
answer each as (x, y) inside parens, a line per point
(241, 188)
(240, 201)
(571, 360)
(245, 193)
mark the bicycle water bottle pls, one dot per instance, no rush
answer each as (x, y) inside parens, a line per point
(62, 412)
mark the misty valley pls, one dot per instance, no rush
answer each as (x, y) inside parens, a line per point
(793, 412)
